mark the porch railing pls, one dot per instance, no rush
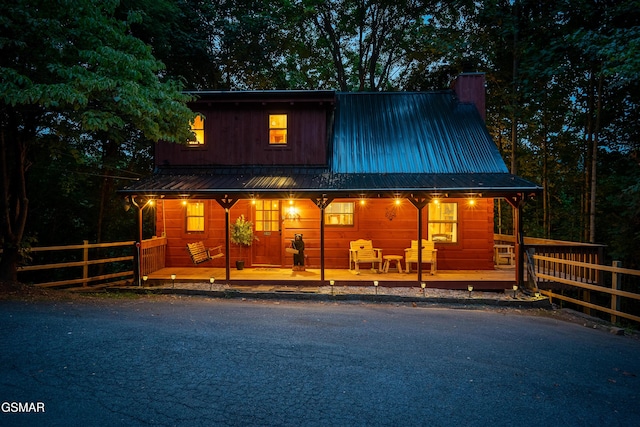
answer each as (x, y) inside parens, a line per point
(573, 272)
(152, 255)
(617, 293)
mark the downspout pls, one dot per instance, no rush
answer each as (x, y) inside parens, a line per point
(138, 244)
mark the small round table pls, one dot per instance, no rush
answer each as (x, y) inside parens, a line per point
(388, 259)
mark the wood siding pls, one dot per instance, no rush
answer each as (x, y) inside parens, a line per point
(390, 227)
(238, 135)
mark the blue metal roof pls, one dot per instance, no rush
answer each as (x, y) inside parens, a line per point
(400, 132)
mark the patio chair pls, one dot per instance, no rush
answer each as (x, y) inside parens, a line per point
(429, 255)
(199, 253)
(362, 251)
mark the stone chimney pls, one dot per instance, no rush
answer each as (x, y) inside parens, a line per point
(470, 88)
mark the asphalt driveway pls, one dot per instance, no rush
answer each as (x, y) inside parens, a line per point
(172, 361)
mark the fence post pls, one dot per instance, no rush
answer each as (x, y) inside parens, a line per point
(615, 285)
(85, 259)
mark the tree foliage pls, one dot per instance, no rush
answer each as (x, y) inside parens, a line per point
(73, 80)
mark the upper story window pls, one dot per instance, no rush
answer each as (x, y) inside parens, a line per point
(443, 222)
(277, 129)
(197, 127)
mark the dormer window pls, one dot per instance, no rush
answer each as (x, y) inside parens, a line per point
(277, 129)
(197, 127)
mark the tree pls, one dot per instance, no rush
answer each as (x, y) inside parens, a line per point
(69, 71)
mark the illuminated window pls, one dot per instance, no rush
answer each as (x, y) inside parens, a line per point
(277, 129)
(443, 222)
(267, 215)
(195, 216)
(339, 213)
(197, 127)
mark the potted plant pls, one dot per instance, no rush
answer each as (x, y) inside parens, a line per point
(242, 235)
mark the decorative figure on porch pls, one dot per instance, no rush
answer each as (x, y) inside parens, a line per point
(298, 258)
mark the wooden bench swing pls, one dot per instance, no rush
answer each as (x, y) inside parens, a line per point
(199, 253)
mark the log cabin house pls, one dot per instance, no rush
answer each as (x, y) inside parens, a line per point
(335, 167)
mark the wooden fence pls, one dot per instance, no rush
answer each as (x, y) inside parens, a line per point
(581, 275)
(83, 262)
(559, 268)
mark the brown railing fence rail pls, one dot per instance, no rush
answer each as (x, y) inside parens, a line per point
(85, 264)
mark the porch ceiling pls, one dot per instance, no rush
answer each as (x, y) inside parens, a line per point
(282, 182)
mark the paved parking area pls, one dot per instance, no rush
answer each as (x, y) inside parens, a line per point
(193, 361)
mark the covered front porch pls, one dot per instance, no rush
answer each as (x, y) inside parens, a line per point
(503, 277)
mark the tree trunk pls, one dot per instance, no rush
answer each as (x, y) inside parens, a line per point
(594, 165)
(13, 202)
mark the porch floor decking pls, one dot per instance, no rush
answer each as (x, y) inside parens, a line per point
(499, 278)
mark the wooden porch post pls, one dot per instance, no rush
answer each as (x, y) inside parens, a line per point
(322, 245)
(419, 202)
(322, 202)
(227, 203)
(517, 202)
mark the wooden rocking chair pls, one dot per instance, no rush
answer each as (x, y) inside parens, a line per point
(199, 253)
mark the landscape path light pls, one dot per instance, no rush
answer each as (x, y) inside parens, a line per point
(470, 289)
(375, 284)
(515, 289)
(332, 282)
(211, 280)
(173, 281)
(423, 285)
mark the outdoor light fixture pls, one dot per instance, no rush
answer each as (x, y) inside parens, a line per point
(332, 282)
(469, 288)
(144, 279)
(211, 280)
(515, 288)
(472, 202)
(173, 280)
(537, 294)
(423, 285)
(375, 284)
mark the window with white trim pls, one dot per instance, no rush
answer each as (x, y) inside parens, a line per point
(197, 127)
(443, 222)
(195, 217)
(277, 129)
(339, 214)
